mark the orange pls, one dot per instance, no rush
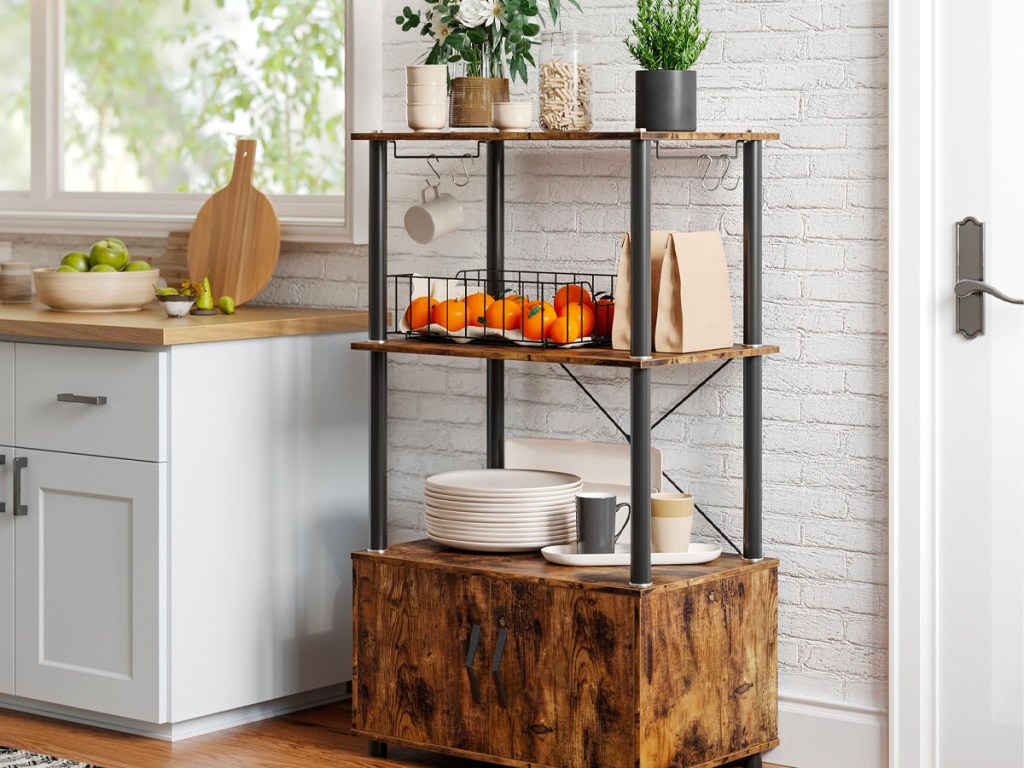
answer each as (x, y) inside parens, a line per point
(583, 314)
(538, 320)
(476, 308)
(505, 315)
(568, 294)
(565, 329)
(605, 312)
(451, 314)
(418, 314)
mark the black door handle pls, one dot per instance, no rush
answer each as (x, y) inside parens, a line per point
(20, 462)
(3, 504)
(474, 682)
(499, 652)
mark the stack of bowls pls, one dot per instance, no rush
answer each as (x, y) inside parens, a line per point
(426, 96)
(501, 510)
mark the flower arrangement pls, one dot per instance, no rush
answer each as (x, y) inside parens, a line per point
(491, 36)
(668, 34)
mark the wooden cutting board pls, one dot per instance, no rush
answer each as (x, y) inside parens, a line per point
(236, 238)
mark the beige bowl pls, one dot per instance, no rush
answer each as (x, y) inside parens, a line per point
(427, 117)
(95, 291)
(515, 116)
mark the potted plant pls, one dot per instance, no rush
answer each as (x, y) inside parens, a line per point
(490, 37)
(669, 40)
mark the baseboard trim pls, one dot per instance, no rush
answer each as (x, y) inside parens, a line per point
(189, 728)
(825, 734)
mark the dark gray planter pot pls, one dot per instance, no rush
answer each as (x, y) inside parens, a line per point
(666, 99)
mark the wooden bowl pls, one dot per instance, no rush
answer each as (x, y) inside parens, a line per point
(95, 291)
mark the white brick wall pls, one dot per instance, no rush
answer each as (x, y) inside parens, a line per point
(816, 71)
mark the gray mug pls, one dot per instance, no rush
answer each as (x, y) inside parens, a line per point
(595, 523)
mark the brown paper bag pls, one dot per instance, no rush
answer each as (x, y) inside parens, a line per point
(621, 333)
(694, 306)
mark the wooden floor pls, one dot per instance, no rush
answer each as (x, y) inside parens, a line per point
(308, 739)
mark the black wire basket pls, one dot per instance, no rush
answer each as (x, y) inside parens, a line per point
(511, 306)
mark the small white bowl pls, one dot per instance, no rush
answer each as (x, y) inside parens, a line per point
(427, 117)
(426, 74)
(515, 116)
(177, 306)
(416, 95)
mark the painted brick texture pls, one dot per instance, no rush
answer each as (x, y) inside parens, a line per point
(814, 70)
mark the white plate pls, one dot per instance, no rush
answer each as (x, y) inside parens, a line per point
(510, 529)
(511, 502)
(479, 546)
(454, 517)
(502, 482)
(541, 538)
(562, 505)
(565, 554)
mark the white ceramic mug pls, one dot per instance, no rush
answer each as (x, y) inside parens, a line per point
(671, 521)
(426, 74)
(430, 219)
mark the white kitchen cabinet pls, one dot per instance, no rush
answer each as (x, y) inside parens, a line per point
(183, 563)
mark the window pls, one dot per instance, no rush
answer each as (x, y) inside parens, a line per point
(123, 117)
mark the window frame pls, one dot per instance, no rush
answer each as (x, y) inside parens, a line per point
(45, 209)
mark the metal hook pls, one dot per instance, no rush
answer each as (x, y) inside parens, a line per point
(430, 162)
(721, 182)
(704, 178)
(466, 172)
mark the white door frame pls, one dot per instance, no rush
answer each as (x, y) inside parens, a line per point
(913, 273)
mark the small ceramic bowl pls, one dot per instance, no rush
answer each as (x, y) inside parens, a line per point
(176, 306)
(513, 116)
(416, 95)
(427, 117)
(426, 74)
(95, 291)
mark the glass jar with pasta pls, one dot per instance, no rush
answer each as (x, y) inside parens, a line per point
(566, 82)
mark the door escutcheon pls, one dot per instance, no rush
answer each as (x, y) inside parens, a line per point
(970, 288)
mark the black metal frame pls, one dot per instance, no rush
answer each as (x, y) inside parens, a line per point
(640, 378)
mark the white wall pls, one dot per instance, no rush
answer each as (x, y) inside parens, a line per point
(816, 71)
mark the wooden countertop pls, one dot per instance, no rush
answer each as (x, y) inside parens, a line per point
(150, 326)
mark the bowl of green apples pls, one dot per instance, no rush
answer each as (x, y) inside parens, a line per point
(105, 279)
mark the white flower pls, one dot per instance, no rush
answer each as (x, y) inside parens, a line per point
(475, 12)
(438, 29)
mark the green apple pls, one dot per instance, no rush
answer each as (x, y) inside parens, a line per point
(103, 268)
(136, 266)
(111, 252)
(79, 262)
(66, 268)
(226, 305)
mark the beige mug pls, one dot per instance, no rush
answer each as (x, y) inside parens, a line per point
(430, 219)
(671, 522)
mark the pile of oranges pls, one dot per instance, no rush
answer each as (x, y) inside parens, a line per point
(573, 315)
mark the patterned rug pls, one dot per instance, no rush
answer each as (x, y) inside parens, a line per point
(17, 758)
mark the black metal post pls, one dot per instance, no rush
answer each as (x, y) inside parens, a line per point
(640, 378)
(495, 265)
(378, 236)
(752, 436)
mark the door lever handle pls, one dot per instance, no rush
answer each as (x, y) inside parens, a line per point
(965, 288)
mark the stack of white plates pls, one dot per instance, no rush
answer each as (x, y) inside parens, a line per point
(501, 510)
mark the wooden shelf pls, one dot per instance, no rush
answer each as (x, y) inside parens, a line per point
(576, 356)
(493, 135)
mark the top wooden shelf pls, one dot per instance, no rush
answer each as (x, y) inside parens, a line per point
(493, 135)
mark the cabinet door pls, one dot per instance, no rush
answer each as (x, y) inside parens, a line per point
(6, 393)
(90, 589)
(6, 572)
(567, 671)
(413, 629)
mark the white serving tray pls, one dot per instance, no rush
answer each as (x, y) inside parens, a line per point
(565, 554)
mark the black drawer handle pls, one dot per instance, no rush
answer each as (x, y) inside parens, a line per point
(20, 462)
(474, 682)
(67, 397)
(499, 652)
(3, 504)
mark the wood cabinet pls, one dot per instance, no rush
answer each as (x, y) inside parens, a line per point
(571, 668)
(176, 569)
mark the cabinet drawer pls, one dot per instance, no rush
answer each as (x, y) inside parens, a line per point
(130, 424)
(6, 393)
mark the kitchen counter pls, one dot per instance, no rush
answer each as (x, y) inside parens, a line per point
(150, 326)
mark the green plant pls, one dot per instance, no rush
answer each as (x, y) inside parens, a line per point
(668, 34)
(489, 35)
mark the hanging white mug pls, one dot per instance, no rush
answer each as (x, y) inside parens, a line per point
(430, 219)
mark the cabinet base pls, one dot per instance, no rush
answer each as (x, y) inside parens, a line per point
(187, 728)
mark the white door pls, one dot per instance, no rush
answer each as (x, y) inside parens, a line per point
(6, 570)
(965, 553)
(90, 589)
